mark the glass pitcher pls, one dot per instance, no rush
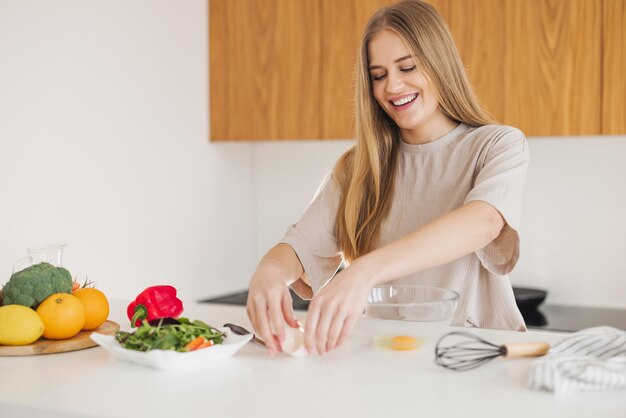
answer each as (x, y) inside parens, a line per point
(52, 254)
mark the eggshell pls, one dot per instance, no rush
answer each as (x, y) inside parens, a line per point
(294, 342)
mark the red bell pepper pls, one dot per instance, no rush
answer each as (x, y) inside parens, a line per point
(155, 302)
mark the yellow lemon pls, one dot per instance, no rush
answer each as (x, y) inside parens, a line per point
(19, 325)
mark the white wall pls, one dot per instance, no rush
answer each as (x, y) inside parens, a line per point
(287, 175)
(574, 228)
(103, 146)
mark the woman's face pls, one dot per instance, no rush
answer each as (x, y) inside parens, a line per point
(402, 89)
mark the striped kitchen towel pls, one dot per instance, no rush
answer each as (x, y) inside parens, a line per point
(593, 359)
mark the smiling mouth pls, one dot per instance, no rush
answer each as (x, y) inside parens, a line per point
(404, 100)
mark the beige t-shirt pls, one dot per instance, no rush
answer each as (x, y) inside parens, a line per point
(488, 164)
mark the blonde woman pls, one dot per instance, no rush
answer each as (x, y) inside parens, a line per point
(430, 194)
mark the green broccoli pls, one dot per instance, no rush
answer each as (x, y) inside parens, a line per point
(31, 286)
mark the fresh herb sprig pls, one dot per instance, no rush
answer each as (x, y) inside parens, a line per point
(168, 337)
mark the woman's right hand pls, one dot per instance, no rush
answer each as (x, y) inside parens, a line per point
(269, 305)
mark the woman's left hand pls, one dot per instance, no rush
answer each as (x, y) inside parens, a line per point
(334, 310)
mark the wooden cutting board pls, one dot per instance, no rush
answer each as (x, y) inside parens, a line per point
(44, 346)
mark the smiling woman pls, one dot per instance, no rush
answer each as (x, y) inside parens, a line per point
(429, 195)
(398, 85)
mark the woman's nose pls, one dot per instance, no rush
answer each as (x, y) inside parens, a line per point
(394, 84)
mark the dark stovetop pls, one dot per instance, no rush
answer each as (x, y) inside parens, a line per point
(547, 317)
(240, 298)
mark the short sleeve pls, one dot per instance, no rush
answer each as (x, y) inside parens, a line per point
(313, 239)
(500, 182)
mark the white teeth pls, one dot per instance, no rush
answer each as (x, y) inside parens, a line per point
(404, 100)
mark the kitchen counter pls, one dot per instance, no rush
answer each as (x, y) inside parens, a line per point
(354, 380)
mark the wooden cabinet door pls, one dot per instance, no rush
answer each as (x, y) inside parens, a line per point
(614, 67)
(343, 22)
(477, 27)
(535, 64)
(265, 69)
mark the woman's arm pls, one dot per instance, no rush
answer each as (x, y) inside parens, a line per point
(447, 238)
(269, 301)
(337, 306)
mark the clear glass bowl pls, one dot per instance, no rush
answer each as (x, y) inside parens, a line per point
(414, 311)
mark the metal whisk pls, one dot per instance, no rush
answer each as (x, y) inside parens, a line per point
(464, 351)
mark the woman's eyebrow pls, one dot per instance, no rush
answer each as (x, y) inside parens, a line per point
(406, 57)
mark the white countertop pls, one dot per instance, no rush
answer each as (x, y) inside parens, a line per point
(355, 380)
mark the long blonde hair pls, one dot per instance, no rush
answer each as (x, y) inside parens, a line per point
(365, 174)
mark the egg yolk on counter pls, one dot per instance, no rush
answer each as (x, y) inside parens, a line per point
(402, 342)
(399, 342)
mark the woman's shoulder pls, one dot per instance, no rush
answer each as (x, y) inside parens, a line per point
(502, 135)
(494, 130)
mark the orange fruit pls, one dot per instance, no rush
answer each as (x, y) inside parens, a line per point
(63, 316)
(96, 307)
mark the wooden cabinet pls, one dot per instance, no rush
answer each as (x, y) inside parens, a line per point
(343, 24)
(614, 67)
(482, 51)
(265, 69)
(283, 69)
(535, 64)
(549, 67)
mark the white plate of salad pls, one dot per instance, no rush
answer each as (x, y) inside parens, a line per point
(178, 344)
